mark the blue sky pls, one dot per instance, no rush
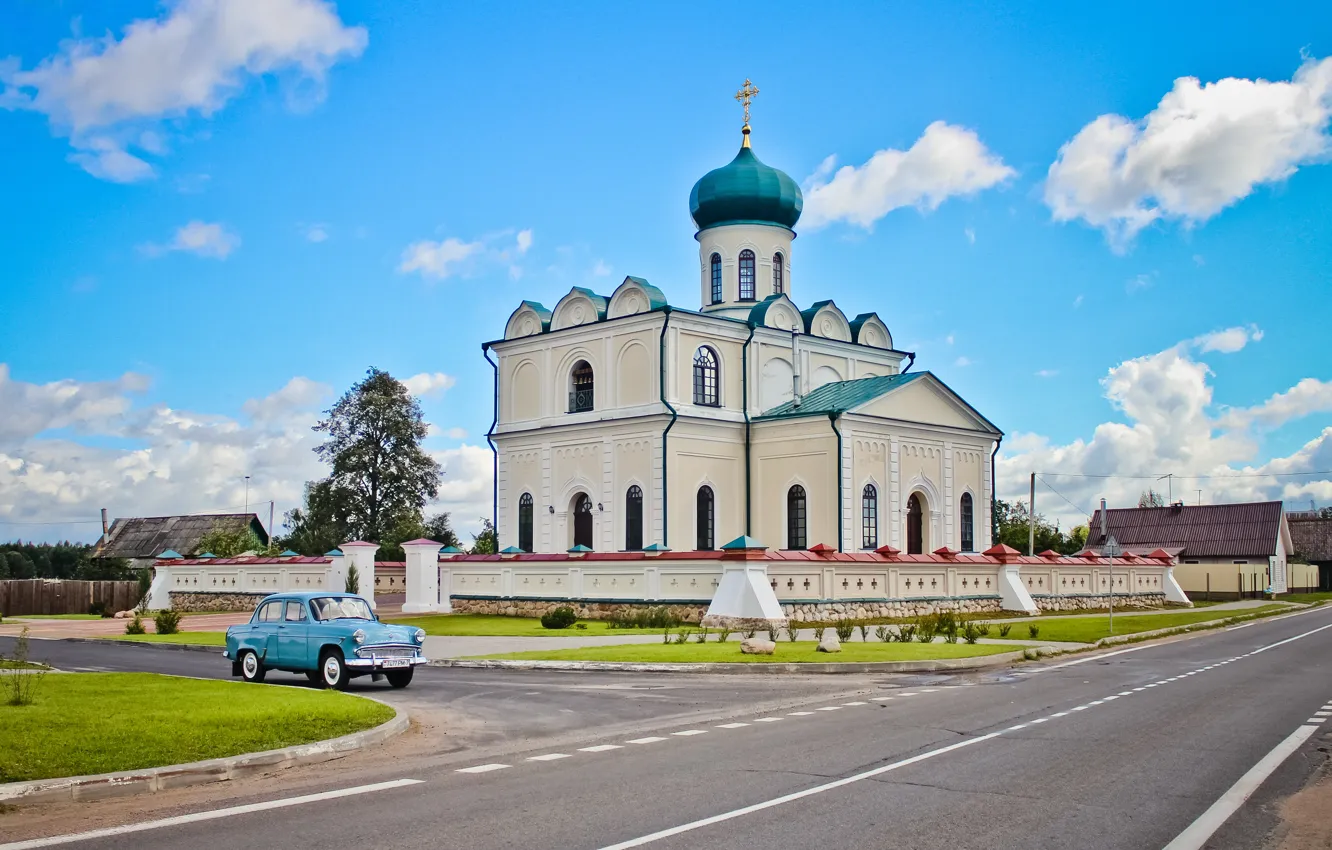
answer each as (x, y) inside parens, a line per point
(203, 247)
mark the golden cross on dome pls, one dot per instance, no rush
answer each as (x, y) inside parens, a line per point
(745, 95)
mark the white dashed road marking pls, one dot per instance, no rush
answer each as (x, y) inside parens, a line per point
(549, 757)
(600, 748)
(482, 768)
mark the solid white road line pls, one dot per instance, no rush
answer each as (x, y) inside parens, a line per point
(1242, 626)
(1210, 821)
(549, 757)
(1085, 660)
(600, 748)
(788, 798)
(482, 768)
(1288, 640)
(207, 816)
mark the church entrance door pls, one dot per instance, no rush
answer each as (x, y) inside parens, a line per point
(914, 520)
(583, 520)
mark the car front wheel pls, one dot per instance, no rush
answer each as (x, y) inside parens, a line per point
(251, 668)
(399, 678)
(333, 670)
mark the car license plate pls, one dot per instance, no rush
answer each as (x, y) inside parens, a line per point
(396, 662)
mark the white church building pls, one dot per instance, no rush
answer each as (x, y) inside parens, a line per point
(624, 422)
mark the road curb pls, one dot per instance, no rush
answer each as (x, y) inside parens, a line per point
(742, 668)
(111, 641)
(148, 780)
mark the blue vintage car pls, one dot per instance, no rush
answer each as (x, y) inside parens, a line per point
(330, 637)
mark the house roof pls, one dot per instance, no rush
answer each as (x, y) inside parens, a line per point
(1311, 536)
(840, 396)
(1244, 530)
(148, 537)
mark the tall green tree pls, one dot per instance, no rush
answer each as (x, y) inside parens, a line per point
(1151, 499)
(228, 541)
(380, 478)
(485, 542)
(1012, 525)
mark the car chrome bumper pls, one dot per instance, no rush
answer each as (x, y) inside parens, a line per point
(378, 663)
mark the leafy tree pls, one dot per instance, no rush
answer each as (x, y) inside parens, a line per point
(487, 541)
(1077, 536)
(227, 540)
(54, 560)
(381, 477)
(1151, 499)
(322, 524)
(439, 528)
(1012, 527)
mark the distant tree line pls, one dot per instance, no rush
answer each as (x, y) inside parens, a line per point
(19, 560)
(1012, 527)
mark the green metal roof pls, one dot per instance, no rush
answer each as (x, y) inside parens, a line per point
(840, 396)
(745, 191)
(598, 301)
(744, 541)
(656, 298)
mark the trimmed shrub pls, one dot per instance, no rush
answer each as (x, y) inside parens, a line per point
(1004, 629)
(970, 632)
(793, 628)
(559, 618)
(906, 632)
(167, 621)
(723, 632)
(818, 632)
(845, 628)
(883, 634)
(1033, 630)
(135, 626)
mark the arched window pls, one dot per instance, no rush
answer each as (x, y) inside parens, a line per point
(633, 519)
(869, 517)
(778, 284)
(795, 517)
(716, 279)
(705, 377)
(746, 275)
(968, 524)
(583, 520)
(580, 387)
(706, 519)
(525, 522)
(915, 523)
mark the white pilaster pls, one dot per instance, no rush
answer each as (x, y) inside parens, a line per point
(362, 555)
(422, 576)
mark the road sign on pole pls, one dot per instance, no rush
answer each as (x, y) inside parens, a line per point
(1112, 550)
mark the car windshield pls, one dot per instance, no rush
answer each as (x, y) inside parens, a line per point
(341, 608)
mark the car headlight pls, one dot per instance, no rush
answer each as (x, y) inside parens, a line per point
(420, 635)
(358, 636)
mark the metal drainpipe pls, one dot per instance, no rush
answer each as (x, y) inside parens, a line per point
(910, 362)
(665, 466)
(832, 418)
(744, 406)
(993, 495)
(494, 452)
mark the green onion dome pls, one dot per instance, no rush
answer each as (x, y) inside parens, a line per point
(745, 191)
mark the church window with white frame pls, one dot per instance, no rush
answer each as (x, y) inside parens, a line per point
(633, 518)
(746, 275)
(778, 284)
(706, 519)
(525, 522)
(968, 523)
(705, 377)
(796, 518)
(717, 295)
(869, 517)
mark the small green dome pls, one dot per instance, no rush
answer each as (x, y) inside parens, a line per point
(745, 191)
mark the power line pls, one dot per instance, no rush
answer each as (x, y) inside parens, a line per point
(1076, 507)
(1188, 477)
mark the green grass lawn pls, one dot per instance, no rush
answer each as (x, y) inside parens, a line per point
(1306, 598)
(800, 652)
(13, 664)
(200, 638)
(490, 625)
(84, 723)
(1092, 629)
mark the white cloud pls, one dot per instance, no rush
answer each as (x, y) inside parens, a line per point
(429, 383)
(524, 241)
(944, 162)
(971, 235)
(159, 460)
(456, 433)
(601, 269)
(948, 340)
(1077, 302)
(1138, 282)
(109, 93)
(201, 238)
(962, 361)
(1171, 426)
(1047, 373)
(437, 259)
(1203, 148)
(1230, 340)
(317, 233)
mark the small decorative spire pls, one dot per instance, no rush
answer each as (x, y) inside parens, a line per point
(745, 95)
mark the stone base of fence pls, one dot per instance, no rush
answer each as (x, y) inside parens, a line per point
(1101, 601)
(201, 602)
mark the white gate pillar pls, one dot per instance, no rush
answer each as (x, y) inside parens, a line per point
(422, 577)
(744, 598)
(362, 556)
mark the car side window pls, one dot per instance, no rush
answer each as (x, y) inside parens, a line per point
(271, 612)
(295, 612)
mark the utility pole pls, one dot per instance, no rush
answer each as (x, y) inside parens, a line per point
(271, 505)
(247, 494)
(1031, 518)
(1170, 487)
(1110, 549)
(1200, 497)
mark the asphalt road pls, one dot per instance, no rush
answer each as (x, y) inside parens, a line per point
(1121, 751)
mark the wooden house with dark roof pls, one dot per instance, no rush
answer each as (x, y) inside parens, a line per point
(142, 539)
(1311, 536)
(1223, 551)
